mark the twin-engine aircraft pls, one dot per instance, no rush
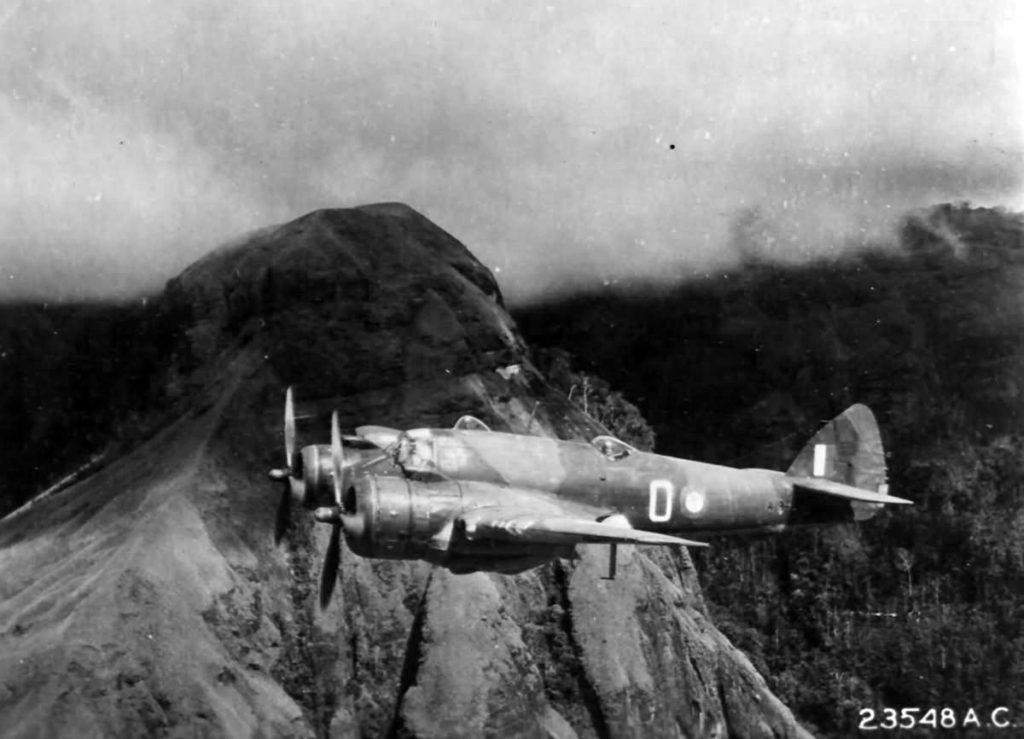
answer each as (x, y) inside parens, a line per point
(469, 498)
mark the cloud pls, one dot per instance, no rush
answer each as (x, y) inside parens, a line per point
(561, 141)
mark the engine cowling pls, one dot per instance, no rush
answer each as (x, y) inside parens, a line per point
(387, 517)
(390, 517)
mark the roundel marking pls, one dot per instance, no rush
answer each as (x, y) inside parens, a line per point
(694, 501)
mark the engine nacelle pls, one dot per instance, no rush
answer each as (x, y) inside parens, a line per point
(388, 518)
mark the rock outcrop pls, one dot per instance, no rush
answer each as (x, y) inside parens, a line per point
(149, 598)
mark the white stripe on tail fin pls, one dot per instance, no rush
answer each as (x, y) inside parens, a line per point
(847, 450)
(820, 455)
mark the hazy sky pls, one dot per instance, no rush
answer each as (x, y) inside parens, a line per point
(560, 141)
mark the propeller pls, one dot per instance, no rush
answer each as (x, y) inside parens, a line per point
(332, 561)
(287, 473)
(292, 474)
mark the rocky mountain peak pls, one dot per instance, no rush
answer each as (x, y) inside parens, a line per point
(399, 291)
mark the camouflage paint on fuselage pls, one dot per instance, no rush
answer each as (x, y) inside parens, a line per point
(653, 492)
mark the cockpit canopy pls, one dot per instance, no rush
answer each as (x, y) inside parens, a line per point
(426, 455)
(415, 452)
(470, 423)
(612, 448)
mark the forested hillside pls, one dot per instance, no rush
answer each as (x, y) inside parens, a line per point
(918, 607)
(76, 382)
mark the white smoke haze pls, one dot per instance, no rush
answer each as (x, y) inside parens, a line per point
(563, 142)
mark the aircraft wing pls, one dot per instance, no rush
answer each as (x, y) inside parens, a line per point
(380, 436)
(542, 528)
(359, 442)
(838, 489)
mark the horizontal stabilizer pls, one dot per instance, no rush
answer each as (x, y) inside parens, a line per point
(542, 529)
(841, 490)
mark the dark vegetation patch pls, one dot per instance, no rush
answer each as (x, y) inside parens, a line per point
(549, 635)
(308, 653)
(77, 381)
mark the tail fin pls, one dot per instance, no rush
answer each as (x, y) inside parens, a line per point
(848, 450)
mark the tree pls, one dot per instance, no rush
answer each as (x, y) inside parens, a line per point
(594, 396)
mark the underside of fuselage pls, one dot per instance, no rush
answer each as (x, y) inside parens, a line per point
(463, 565)
(463, 557)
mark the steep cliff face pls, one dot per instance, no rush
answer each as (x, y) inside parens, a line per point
(149, 599)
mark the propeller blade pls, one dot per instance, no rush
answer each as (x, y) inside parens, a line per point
(337, 458)
(289, 430)
(284, 514)
(329, 575)
(287, 474)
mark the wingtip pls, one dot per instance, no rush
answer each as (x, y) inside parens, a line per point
(650, 537)
(691, 542)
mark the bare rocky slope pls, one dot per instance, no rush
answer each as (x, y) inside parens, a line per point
(149, 599)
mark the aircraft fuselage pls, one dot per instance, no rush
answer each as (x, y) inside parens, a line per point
(653, 492)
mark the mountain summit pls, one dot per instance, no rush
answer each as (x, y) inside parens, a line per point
(148, 599)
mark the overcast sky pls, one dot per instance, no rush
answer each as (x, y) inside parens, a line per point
(560, 141)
